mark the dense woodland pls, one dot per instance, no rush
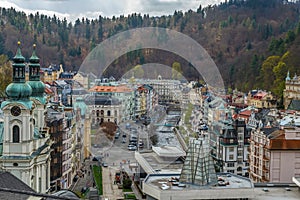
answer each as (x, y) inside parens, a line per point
(253, 42)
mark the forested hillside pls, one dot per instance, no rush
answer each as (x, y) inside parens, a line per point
(253, 42)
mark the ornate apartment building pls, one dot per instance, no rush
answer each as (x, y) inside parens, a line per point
(229, 141)
(261, 99)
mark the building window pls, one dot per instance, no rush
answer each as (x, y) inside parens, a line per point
(16, 134)
(230, 164)
(231, 149)
(230, 157)
(40, 184)
(240, 153)
(108, 113)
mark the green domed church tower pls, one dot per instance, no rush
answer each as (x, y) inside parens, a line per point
(24, 147)
(18, 90)
(38, 88)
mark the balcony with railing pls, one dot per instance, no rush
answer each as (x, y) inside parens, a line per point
(265, 169)
(265, 157)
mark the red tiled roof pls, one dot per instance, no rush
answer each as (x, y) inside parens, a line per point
(246, 113)
(121, 88)
(48, 90)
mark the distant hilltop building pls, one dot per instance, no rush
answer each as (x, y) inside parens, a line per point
(51, 73)
(291, 93)
(261, 99)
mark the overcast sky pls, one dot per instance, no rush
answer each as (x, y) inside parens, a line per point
(73, 9)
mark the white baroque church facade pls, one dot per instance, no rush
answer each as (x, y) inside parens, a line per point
(24, 138)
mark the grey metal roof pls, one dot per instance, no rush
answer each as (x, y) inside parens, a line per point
(101, 100)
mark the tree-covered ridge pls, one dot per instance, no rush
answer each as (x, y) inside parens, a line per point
(238, 34)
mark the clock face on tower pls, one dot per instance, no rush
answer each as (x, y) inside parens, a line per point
(15, 111)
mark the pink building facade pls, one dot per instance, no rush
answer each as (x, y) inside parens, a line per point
(275, 155)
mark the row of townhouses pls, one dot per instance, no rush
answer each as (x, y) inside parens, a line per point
(250, 137)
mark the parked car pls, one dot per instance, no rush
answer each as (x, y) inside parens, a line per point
(133, 138)
(133, 130)
(141, 144)
(132, 147)
(104, 164)
(133, 143)
(117, 135)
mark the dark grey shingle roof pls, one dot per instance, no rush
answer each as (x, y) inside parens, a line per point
(7, 180)
(294, 105)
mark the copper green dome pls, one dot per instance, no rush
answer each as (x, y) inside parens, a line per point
(18, 91)
(38, 88)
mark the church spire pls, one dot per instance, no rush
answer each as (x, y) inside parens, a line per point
(18, 89)
(288, 78)
(34, 66)
(38, 87)
(19, 66)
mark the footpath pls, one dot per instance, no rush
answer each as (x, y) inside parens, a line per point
(86, 181)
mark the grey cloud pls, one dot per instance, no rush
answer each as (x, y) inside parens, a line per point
(109, 8)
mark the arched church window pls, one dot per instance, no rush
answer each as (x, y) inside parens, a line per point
(16, 134)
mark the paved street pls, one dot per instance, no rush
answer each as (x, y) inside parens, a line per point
(110, 190)
(117, 156)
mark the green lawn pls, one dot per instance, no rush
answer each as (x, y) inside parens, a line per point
(129, 196)
(97, 171)
(127, 190)
(94, 131)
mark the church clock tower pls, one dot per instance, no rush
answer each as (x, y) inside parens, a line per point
(26, 151)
